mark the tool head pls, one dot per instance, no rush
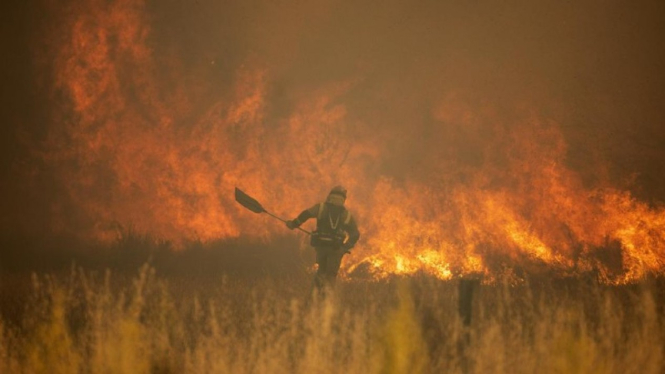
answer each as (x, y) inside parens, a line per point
(248, 202)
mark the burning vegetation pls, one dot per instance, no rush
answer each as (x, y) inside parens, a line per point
(153, 125)
(515, 146)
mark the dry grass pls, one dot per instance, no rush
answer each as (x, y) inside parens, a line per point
(96, 323)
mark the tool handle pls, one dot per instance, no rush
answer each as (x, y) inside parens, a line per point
(283, 220)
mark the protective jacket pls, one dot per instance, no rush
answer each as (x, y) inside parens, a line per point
(335, 225)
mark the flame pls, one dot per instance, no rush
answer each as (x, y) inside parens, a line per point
(134, 146)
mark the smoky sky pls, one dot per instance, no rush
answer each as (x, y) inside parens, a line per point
(597, 68)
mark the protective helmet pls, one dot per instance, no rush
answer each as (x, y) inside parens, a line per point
(337, 195)
(338, 190)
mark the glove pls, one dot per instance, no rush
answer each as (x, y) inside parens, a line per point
(291, 224)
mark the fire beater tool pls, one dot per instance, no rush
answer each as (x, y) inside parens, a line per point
(256, 207)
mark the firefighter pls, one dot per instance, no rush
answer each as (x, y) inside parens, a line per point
(336, 233)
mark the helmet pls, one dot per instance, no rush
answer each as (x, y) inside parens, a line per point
(337, 196)
(338, 190)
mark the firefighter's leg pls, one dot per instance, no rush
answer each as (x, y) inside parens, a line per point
(333, 263)
(322, 261)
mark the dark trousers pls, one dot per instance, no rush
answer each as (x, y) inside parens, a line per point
(329, 260)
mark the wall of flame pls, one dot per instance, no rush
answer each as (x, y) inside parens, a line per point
(152, 130)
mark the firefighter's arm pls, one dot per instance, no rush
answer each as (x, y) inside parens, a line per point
(354, 235)
(303, 217)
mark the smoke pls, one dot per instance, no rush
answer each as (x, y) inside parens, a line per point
(470, 135)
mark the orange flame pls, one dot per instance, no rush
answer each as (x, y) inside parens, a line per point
(133, 147)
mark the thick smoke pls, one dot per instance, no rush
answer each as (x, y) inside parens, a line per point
(470, 135)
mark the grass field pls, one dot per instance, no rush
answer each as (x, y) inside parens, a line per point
(88, 320)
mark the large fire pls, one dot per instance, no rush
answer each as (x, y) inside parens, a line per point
(142, 138)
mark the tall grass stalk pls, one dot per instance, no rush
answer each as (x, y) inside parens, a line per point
(95, 323)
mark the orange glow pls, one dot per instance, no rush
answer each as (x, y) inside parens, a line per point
(132, 149)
